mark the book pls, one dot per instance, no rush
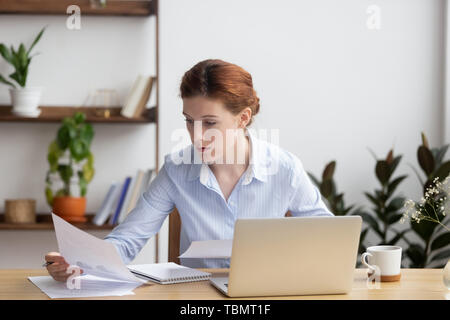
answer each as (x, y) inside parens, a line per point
(138, 96)
(132, 98)
(168, 272)
(142, 104)
(107, 205)
(135, 191)
(123, 212)
(123, 192)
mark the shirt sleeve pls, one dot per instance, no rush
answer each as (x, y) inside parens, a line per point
(145, 220)
(306, 199)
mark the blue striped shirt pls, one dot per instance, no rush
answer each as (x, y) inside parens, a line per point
(274, 182)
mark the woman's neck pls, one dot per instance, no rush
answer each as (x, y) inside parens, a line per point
(239, 164)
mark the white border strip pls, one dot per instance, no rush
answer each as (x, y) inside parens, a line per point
(446, 115)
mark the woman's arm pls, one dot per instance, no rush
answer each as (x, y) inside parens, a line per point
(306, 199)
(145, 220)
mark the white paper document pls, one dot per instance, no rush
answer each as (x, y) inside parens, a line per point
(90, 286)
(104, 272)
(209, 249)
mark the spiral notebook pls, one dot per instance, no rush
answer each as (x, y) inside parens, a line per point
(167, 273)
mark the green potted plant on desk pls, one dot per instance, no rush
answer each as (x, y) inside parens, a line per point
(72, 165)
(24, 99)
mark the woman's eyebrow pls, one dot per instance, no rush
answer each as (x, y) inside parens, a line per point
(205, 116)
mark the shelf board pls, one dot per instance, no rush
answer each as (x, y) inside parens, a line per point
(59, 7)
(44, 222)
(93, 114)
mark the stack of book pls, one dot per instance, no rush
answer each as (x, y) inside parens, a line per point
(121, 198)
(136, 101)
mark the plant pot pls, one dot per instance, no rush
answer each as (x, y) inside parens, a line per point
(25, 101)
(20, 211)
(71, 209)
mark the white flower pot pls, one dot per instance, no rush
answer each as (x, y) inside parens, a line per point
(25, 101)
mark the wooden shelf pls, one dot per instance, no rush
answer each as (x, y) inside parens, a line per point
(93, 114)
(44, 222)
(59, 7)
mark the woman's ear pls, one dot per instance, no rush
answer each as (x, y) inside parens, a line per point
(244, 117)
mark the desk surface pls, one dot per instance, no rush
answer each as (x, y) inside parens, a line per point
(414, 284)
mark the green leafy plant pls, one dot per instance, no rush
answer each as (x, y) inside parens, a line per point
(72, 143)
(335, 200)
(386, 206)
(20, 59)
(434, 246)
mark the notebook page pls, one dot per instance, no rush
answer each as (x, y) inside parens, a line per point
(168, 271)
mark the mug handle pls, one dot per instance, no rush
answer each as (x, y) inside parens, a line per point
(364, 262)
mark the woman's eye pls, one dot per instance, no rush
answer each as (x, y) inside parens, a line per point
(210, 123)
(189, 121)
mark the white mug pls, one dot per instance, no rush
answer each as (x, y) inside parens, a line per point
(383, 261)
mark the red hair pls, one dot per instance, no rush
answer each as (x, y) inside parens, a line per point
(227, 82)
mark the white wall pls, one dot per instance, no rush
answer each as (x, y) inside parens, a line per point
(332, 87)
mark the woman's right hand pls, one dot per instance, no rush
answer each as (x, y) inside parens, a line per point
(58, 269)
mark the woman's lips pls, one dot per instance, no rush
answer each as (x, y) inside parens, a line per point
(203, 149)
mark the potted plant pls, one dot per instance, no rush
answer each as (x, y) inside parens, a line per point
(71, 163)
(25, 100)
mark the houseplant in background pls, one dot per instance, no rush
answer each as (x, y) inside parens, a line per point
(71, 163)
(25, 100)
(428, 213)
(386, 206)
(335, 200)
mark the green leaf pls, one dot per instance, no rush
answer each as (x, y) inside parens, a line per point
(49, 196)
(439, 154)
(445, 254)
(441, 241)
(328, 172)
(424, 229)
(326, 188)
(394, 165)
(426, 160)
(65, 172)
(416, 254)
(397, 237)
(78, 149)
(394, 184)
(2, 79)
(443, 171)
(79, 117)
(382, 171)
(395, 204)
(82, 183)
(86, 133)
(6, 54)
(371, 222)
(372, 199)
(394, 217)
(64, 136)
(22, 56)
(36, 40)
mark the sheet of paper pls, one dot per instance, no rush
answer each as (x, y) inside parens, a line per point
(95, 256)
(209, 249)
(89, 286)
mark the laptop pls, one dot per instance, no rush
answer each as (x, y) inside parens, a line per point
(292, 256)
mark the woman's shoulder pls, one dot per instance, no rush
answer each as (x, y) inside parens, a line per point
(286, 160)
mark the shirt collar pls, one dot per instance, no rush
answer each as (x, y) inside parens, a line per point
(254, 170)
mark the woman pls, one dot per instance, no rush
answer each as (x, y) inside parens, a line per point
(227, 173)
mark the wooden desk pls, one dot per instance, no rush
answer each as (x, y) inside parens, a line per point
(415, 284)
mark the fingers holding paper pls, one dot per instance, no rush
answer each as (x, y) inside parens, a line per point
(58, 268)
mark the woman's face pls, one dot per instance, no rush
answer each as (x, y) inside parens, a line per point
(212, 128)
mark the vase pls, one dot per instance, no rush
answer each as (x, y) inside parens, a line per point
(446, 275)
(25, 101)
